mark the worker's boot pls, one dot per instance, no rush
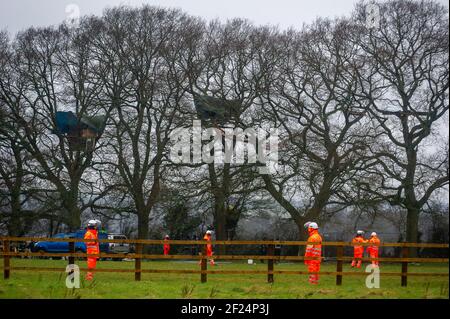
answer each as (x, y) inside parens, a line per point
(313, 279)
(89, 276)
(358, 265)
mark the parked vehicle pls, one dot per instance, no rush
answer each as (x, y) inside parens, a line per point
(118, 248)
(63, 247)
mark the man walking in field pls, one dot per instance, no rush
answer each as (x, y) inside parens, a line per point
(313, 250)
(92, 248)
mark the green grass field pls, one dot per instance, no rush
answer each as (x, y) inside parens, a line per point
(33, 284)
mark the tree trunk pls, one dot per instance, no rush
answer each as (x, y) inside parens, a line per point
(50, 227)
(143, 228)
(413, 207)
(14, 224)
(143, 221)
(412, 229)
(71, 206)
(220, 222)
(302, 234)
(74, 220)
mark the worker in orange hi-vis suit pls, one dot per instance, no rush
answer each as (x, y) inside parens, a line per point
(92, 248)
(358, 250)
(313, 249)
(209, 250)
(373, 249)
(166, 245)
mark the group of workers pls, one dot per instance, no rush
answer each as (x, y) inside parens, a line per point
(209, 249)
(313, 253)
(358, 249)
(314, 250)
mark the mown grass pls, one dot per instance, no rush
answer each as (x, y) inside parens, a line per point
(33, 284)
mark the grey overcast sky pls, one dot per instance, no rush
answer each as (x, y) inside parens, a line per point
(16, 15)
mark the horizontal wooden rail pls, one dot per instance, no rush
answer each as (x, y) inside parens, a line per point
(229, 272)
(223, 257)
(152, 256)
(218, 242)
(396, 259)
(203, 271)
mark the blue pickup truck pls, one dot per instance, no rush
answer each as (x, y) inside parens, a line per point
(63, 247)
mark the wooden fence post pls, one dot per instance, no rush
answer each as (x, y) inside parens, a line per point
(270, 252)
(339, 255)
(6, 264)
(137, 263)
(405, 253)
(204, 265)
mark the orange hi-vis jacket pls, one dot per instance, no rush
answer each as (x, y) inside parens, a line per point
(92, 247)
(314, 250)
(373, 248)
(358, 250)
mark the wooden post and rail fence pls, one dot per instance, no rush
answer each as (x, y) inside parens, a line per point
(6, 253)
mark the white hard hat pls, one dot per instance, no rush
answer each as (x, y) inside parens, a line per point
(373, 234)
(360, 232)
(313, 225)
(92, 222)
(209, 232)
(307, 225)
(166, 236)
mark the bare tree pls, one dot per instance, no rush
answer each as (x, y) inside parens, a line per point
(146, 90)
(358, 109)
(324, 131)
(52, 70)
(406, 80)
(23, 197)
(228, 65)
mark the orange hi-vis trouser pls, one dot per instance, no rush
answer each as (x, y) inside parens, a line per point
(312, 268)
(373, 250)
(358, 252)
(209, 253)
(91, 263)
(373, 253)
(166, 249)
